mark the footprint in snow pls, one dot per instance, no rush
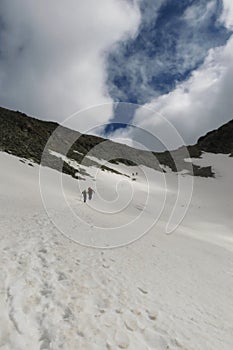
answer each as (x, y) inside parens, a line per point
(143, 291)
(152, 314)
(122, 340)
(61, 276)
(105, 266)
(155, 340)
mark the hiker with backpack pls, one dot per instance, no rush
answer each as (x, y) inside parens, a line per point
(84, 193)
(90, 192)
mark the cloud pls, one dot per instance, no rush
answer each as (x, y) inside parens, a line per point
(227, 15)
(59, 57)
(53, 53)
(172, 41)
(199, 104)
(202, 103)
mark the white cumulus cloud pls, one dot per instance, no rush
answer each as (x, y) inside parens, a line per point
(52, 56)
(202, 103)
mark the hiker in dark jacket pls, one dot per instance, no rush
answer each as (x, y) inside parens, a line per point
(90, 193)
(84, 193)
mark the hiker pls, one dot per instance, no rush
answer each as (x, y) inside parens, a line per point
(84, 193)
(90, 193)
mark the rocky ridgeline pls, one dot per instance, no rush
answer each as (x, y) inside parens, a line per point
(27, 137)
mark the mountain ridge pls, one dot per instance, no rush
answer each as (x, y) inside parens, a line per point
(27, 137)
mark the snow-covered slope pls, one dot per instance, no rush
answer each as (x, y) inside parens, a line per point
(162, 291)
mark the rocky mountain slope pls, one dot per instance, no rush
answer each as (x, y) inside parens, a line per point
(218, 141)
(30, 138)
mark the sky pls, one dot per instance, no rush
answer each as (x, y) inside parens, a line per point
(153, 64)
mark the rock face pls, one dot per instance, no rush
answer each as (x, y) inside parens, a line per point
(27, 137)
(218, 141)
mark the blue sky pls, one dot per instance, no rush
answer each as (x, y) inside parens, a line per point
(176, 57)
(172, 41)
